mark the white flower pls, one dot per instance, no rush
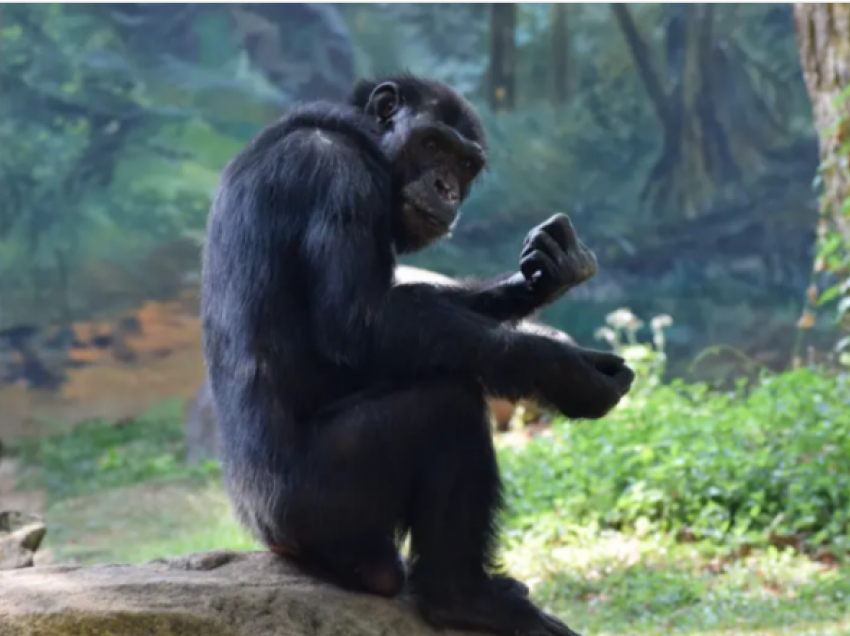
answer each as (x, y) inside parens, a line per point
(624, 319)
(606, 334)
(661, 322)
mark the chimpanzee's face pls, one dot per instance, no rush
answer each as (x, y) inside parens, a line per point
(436, 144)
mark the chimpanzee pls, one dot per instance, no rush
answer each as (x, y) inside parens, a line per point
(352, 409)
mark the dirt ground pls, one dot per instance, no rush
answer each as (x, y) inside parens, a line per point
(110, 390)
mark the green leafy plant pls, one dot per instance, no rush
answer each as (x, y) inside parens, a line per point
(768, 462)
(100, 455)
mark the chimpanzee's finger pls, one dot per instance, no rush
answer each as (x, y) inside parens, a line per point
(624, 379)
(537, 264)
(543, 242)
(585, 262)
(603, 361)
(560, 228)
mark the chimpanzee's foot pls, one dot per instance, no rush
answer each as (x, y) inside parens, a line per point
(496, 605)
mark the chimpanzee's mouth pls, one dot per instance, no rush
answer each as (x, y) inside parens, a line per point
(441, 218)
(431, 205)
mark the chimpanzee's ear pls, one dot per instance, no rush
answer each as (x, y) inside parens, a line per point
(361, 93)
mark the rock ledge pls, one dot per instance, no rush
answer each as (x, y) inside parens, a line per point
(218, 593)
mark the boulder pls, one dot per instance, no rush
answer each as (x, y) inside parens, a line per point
(21, 535)
(218, 593)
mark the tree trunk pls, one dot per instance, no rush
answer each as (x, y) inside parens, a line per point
(502, 57)
(696, 157)
(560, 53)
(823, 36)
(641, 56)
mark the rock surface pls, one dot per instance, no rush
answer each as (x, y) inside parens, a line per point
(218, 593)
(21, 535)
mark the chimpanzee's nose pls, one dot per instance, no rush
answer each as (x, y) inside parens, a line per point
(446, 191)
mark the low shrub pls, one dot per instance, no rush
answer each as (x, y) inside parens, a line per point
(766, 462)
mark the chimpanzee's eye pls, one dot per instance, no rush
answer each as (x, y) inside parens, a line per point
(386, 106)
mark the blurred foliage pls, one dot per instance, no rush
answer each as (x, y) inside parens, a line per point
(89, 170)
(116, 120)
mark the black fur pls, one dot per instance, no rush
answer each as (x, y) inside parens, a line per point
(353, 410)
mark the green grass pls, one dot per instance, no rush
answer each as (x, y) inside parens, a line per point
(614, 583)
(97, 456)
(135, 524)
(595, 507)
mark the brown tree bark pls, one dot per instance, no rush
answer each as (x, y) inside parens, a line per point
(502, 57)
(560, 54)
(823, 36)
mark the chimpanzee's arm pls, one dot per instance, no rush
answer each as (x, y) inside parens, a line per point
(423, 334)
(413, 333)
(553, 260)
(509, 298)
(410, 332)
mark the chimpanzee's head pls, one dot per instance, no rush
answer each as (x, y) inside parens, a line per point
(436, 143)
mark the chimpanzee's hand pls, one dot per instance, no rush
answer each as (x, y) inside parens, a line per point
(553, 260)
(583, 383)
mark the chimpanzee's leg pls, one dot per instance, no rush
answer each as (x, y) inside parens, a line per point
(421, 457)
(453, 532)
(357, 488)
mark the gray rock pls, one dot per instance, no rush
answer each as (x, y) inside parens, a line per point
(219, 593)
(21, 535)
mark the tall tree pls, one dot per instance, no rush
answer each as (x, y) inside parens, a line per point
(695, 156)
(823, 38)
(560, 53)
(707, 143)
(823, 35)
(503, 56)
